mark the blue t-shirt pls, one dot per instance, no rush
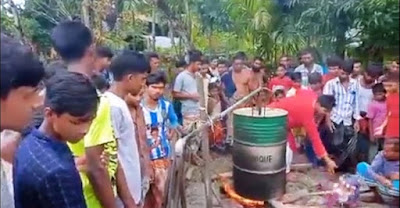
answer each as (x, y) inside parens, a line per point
(230, 87)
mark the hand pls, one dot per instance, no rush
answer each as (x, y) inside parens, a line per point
(384, 181)
(130, 204)
(330, 125)
(356, 126)
(80, 163)
(330, 165)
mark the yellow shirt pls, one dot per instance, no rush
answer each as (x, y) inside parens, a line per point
(100, 133)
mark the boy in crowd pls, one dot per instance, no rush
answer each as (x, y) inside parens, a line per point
(391, 123)
(216, 133)
(376, 115)
(315, 83)
(21, 74)
(280, 79)
(146, 172)
(100, 82)
(307, 67)
(296, 84)
(357, 69)
(44, 170)
(154, 61)
(366, 81)
(103, 61)
(160, 120)
(385, 166)
(334, 64)
(185, 89)
(346, 109)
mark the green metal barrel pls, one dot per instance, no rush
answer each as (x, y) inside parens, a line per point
(259, 153)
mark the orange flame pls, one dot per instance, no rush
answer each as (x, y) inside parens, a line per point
(230, 191)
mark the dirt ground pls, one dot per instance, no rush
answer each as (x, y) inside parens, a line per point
(309, 179)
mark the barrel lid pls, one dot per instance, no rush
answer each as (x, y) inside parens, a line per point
(265, 112)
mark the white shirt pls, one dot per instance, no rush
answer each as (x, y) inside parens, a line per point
(128, 152)
(365, 97)
(346, 101)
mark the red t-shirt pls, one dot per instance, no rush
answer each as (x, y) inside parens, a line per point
(300, 110)
(392, 128)
(285, 81)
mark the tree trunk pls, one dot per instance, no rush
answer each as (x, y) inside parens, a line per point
(17, 21)
(153, 28)
(86, 12)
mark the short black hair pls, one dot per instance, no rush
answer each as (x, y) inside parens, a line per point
(151, 55)
(71, 93)
(156, 78)
(222, 61)
(356, 61)
(213, 85)
(129, 63)
(258, 58)
(348, 66)
(180, 63)
(374, 70)
(327, 101)
(194, 56)
(295, 77)
(104, 52)
(71, 39)
(377, 88)
(314, 78)
(305, 52)
(279, 92)
(19, 66)
(240, 55)
(334, 61)
(54, 67)
(100, 82)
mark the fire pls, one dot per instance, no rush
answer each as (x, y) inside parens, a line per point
(229, 190)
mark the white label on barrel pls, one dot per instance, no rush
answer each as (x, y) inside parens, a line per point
(262, 159)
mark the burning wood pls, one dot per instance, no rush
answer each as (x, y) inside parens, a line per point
(230, 192)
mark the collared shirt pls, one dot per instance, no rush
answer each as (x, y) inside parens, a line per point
(163, 117)
(305, 72)
(346, 101)
(45, 174)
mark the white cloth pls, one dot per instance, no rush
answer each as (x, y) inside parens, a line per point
(289, 157)
(128, 152)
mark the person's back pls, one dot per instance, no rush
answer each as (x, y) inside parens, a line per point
(229, 86)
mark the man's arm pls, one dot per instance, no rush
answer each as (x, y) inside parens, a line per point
(177, 92)
(123, 189)
(59, 189)
(99, 177)
(9, 145)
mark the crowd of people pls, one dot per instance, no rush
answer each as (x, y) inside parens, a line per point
(97, 129)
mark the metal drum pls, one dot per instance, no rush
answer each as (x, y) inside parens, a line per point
(259, 153)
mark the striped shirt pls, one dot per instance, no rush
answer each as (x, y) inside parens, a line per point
(346, 101)
(163, 117)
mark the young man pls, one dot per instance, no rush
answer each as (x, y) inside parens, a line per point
(103, 61)
(159, 114)
(286, 61)
(154, 60)
(185, 89)
(130, 71)
(346, 109)
(44, 169)
(73, 41)
(357, 69)
(308, 66)
(334, 64)
(241, 78)
(301, 110)
(257, 62)
(21, 74)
